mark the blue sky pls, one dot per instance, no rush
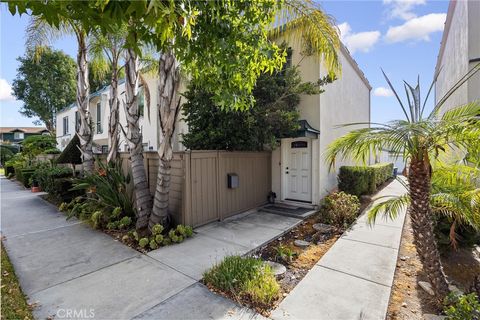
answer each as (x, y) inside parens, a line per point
(401, 36)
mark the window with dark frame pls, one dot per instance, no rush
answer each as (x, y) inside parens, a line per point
(99, 118)
(65, 125)
(77, 121)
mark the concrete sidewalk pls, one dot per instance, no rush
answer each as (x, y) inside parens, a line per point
(354, 278)
(65, 265)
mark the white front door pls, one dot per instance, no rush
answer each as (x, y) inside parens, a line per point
(298, 170)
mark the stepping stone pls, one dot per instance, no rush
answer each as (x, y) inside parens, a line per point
(301, 243)
(277, 268)
(427, 287)
(323, 228)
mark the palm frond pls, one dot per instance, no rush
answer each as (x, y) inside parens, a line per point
(390, 208)
(396, 96)
(304, 22)
(39, 34)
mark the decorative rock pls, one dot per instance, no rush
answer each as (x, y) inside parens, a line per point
(427, 287)
(277, 268)
(454, 288)
(323, 228)
(301, 243)
(404, 304)
(403, 258)
(365, 198)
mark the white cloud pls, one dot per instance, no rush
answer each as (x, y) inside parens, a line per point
(403, 8)
(5, 91)
(417, 29)
(360, 41)
(382, 92)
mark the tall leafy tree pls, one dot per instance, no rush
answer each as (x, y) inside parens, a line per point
(419, 138)
(45, 84)
(273, 116)
(42, 31)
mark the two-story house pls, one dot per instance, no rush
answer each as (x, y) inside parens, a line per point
(16, 135)
(68, 121)
(299, 173)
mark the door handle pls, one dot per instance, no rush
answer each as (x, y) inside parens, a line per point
(286, 172)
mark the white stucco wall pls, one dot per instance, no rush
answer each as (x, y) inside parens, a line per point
(474, 48)
(148, 125)
(346, 100)
(461, 43)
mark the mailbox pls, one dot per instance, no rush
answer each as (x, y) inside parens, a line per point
(232, 181)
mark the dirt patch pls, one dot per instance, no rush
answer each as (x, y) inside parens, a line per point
(408, 300)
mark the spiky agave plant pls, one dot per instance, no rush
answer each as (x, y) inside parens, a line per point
(419, 139)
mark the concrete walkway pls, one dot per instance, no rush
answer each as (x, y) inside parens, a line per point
(354, 278)
(66, 266)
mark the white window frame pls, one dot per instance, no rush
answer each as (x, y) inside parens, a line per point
(18, 135)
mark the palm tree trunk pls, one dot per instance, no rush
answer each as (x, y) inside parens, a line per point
(168, 109)
(113, 134)
(83, 87)
(422, 223)
(143, 199)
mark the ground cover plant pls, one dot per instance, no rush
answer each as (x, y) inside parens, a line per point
(245, 279)
(14, 303)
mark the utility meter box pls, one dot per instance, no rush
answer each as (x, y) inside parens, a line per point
(232, 181)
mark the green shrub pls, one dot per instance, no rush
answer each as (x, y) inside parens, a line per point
(109, 186)
(358, 180)
(382, 172)
(46, 177)
(245, 277)
(35, 145)
(23, 175)
(462, 307)
(341, 209)
(52, 151)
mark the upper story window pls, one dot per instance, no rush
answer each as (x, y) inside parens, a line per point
(18, 135)
(65, 126)
(141, 102)
(77, 121)
(99, 118)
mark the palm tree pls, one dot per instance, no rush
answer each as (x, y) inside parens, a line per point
(39, 34)
(316, 32)
(107, 51)
(419, 139)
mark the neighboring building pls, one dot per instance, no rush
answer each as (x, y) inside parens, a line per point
(68, 121)
(16, 135)
(459, 52)
(299, 170)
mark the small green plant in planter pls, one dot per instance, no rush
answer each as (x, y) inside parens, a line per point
(284, 253)
(462, 306)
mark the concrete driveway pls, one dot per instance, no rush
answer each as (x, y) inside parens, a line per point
(72, 271)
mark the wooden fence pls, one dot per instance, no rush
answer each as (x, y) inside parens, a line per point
(198, 187)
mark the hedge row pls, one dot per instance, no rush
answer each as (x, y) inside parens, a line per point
(358, 180)
(57, 181)
(23, 175)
